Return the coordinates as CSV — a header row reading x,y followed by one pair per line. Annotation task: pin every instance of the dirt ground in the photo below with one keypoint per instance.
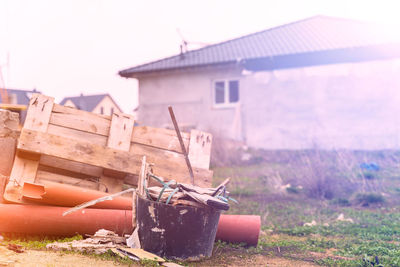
x,y
34,258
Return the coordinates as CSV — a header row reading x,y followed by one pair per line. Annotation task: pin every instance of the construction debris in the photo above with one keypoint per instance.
x,y
137,254
68,160
184,194
16,248
99,243
171,264
66,157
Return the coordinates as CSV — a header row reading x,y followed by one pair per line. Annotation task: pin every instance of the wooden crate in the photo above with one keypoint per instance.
x,y
66,145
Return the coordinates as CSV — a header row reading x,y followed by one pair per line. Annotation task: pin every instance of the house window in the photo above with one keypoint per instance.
x,y
101,110
111,111
226,92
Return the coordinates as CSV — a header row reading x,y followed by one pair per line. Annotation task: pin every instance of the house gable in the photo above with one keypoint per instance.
x,y
69,103
106,106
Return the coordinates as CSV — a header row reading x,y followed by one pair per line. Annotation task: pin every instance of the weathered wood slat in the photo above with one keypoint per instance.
x,y
78,135
160,138
119,138
80,120
73,166
43,176
39,111
200,149
37,118
120,131
24,170
85,152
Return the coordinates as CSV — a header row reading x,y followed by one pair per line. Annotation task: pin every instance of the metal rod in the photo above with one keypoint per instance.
x,y
178,133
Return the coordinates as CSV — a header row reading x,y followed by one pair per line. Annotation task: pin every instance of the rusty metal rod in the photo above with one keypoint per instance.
x,y
178,133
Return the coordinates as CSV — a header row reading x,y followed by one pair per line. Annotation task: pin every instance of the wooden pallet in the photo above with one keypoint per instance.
x,y
66,145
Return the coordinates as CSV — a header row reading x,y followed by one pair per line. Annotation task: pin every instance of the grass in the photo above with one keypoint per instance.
x,y
369,198
36,242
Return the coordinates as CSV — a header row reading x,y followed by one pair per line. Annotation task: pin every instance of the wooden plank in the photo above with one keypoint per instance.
x,y
73,166
200,149
39,111
120,131
77,135
70,149
80,120
24,170
119,138
67,173
37,118
142,254
184,151
3,183
142,177
43,176
161,138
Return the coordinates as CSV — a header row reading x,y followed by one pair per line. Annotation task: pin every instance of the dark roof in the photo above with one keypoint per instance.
x,y
315,34
23,96
87,102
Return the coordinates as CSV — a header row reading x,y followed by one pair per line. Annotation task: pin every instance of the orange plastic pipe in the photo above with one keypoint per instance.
x,y
239,229
48,220
69,196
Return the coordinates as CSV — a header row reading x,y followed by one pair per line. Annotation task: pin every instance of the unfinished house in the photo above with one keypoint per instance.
x,y
320,82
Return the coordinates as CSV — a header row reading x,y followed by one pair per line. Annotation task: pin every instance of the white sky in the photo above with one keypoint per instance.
x,y
64,48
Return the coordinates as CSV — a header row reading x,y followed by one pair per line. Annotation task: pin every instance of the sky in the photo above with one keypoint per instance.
x,y
65,48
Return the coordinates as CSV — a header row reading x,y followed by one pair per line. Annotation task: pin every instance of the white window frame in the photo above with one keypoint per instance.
x,y
226,103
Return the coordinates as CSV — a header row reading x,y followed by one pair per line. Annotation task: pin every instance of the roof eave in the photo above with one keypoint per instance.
x,y
128,73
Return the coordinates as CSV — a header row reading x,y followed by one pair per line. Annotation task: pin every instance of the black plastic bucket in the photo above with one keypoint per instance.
x,y
176,232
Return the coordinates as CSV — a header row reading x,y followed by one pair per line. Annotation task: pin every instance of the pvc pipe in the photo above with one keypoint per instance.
x,y
239,229
64,195
48,220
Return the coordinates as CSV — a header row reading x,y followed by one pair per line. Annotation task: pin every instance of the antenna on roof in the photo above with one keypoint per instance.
x,y
184,44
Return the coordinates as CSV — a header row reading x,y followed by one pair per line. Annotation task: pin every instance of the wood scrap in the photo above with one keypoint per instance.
x,y
123,255
95,201
141,254
105,236
15,248
178,133
142,177
171,264
207,200
99,243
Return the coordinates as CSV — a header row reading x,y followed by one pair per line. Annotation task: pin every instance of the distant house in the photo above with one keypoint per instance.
x,y
100,104
18,100
319,82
